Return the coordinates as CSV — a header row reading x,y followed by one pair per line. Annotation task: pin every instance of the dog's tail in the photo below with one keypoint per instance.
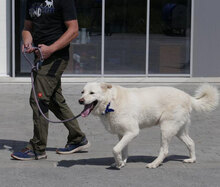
x,y
206,98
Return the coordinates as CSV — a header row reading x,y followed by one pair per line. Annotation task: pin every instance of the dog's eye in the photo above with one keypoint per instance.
x,y
82,92
91,93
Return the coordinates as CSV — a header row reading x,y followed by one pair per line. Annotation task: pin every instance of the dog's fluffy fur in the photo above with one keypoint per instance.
x,y
137,108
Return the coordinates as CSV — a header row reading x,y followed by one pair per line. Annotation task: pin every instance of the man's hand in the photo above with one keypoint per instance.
x,y
27,48
46,51
27,37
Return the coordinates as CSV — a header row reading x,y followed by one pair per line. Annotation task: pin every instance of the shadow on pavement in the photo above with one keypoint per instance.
x,y
16,145
12,145
109,160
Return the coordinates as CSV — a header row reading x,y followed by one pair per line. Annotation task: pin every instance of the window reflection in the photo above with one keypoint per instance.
x,y
23,67
85,50
169,44
125,37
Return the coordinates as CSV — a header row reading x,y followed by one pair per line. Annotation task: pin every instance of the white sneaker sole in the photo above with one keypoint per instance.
x,y
27,159
81,148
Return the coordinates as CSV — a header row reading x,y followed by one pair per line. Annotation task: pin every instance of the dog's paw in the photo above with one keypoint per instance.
x,y
125,160
189,160
152,165
118,166
113,165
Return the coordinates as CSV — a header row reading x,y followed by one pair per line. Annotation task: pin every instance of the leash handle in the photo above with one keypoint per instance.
x,y
39,63
35,49
41,55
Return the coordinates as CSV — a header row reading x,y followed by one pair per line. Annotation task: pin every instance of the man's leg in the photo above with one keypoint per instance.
x,y
43,87
37,145
76,139
47,79
61,110
45,83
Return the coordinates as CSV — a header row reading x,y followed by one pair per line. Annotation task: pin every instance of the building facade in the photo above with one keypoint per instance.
x,y
144,38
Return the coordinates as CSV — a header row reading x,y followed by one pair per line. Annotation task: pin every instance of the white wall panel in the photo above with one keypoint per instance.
x,y
3,39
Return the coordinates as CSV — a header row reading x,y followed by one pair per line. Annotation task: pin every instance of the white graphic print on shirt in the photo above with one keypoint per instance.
x,y
49,4
37,9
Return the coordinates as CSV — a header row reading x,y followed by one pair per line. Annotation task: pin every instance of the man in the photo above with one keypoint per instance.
x,y
51,25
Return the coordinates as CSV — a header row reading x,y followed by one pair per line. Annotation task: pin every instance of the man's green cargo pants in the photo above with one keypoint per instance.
x,y
47,81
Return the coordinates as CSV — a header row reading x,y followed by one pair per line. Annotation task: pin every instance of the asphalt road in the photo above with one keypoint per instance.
x,y
91,169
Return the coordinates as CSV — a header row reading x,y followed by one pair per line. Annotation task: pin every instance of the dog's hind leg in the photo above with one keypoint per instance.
x,y
168,130
184,137
122,144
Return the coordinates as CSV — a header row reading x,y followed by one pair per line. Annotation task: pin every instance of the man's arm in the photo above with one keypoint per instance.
x,y
27,37
63,41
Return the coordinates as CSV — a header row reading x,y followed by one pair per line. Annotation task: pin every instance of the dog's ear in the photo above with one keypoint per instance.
x,y
106,86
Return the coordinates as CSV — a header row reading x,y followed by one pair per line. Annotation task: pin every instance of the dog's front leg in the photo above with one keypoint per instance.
x,y
125,154
117,150
124,151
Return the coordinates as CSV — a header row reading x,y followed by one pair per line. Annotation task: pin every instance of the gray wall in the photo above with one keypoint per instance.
x,y
206,48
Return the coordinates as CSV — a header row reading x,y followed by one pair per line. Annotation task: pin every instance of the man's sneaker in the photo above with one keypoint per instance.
x,y
72,148
27,154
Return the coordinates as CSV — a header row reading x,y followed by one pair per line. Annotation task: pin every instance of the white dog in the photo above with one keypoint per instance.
x,y
49,4
124,111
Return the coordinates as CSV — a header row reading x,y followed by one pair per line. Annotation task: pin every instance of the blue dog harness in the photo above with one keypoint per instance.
x,y
108,109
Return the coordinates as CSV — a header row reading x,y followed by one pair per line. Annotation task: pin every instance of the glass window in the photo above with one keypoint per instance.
x,y
125,37
85,50
21,66
169,40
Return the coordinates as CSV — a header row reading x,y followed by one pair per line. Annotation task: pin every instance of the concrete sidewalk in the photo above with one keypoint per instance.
x,y
90,169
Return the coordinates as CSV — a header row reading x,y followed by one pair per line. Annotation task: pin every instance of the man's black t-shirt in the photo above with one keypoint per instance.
x,y
48,17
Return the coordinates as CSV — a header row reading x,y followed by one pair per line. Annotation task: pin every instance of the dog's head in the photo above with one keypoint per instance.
x,y
93,94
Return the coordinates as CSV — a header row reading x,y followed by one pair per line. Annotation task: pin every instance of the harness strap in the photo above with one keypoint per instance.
x,y
108,109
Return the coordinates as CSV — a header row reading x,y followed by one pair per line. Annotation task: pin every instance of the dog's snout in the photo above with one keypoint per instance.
x,y
81,101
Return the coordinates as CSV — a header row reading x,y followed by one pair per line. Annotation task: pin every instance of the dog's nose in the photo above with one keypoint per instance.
x,y
81,101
